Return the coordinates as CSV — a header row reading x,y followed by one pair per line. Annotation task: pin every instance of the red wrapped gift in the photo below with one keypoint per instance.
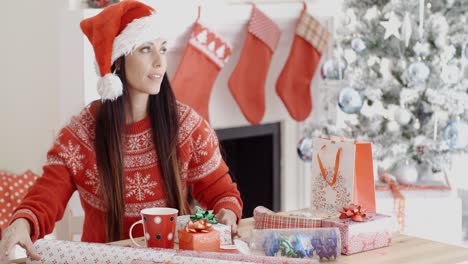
x,y
199,235
267,219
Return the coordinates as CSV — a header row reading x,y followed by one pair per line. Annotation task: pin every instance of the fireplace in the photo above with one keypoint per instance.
x,y
253,155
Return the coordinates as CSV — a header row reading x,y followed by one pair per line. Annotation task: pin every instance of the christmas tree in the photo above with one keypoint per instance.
x,y
401,68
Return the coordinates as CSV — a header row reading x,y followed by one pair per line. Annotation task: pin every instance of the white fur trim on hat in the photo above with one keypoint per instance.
x,y
109,87
135,34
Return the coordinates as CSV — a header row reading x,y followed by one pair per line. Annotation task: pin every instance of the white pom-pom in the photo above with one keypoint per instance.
x,y
109,87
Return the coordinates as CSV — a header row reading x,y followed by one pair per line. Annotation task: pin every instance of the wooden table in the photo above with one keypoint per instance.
x,y
404,249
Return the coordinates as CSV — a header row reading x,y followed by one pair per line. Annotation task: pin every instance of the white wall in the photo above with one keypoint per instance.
x,y
29,82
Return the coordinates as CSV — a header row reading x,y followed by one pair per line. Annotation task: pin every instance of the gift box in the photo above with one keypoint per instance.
x,y
266,219
224,231
373,232
200,241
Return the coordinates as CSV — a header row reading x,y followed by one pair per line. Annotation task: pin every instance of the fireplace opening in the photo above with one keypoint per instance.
x,y
253,156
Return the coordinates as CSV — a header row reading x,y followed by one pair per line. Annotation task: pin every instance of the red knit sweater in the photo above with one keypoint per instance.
x,y
71,165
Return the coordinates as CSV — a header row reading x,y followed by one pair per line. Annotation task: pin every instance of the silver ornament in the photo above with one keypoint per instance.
x,y
418,72
402,116
350,101
304,149
333,69
358,45
456,134
406,172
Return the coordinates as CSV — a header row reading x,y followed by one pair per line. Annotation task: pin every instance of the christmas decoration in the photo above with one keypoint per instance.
x,y
391,26
358,45
247,81
456,134
406,30
412,85
350,101
418,72
406,172
293,85
204,57
304,149
333,69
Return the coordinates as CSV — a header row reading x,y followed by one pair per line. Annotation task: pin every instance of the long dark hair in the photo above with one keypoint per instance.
x,y
110,135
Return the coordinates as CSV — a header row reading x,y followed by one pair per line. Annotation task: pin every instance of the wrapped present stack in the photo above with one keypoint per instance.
x,y
359,231
342,188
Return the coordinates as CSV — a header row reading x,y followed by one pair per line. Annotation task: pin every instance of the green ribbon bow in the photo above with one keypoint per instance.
x,y
286,248
201,214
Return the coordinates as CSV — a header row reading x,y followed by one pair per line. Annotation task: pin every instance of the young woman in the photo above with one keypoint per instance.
x,y
135,148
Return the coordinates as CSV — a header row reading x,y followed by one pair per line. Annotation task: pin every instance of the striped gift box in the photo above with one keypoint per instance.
x,y
265,218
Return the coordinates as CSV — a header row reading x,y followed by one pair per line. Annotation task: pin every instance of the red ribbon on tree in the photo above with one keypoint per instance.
x,y
355,212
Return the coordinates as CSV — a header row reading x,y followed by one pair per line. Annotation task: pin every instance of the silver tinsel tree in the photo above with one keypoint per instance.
x,y
402,86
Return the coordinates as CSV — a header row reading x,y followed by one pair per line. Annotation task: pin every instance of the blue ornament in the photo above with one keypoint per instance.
x,y
456,134
303,246
271,244
418,72
333,69
304,149
358,45
350,101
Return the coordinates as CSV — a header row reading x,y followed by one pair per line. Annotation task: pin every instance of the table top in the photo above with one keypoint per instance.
x,y
404,249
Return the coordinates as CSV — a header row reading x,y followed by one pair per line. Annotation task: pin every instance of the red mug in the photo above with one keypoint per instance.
x,y
159,226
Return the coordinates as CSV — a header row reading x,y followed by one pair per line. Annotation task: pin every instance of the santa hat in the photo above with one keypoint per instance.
x,y
115,31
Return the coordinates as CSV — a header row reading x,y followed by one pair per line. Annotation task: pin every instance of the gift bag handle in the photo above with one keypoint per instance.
x,y
335,170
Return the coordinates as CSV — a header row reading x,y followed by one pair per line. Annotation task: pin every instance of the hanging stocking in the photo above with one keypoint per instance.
x,y
293,85
203,59
247,82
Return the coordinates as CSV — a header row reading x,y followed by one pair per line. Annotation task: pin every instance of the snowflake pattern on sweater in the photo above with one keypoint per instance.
x,y
72,166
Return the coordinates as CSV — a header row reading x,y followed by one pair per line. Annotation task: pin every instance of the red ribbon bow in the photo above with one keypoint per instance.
x,y
355,212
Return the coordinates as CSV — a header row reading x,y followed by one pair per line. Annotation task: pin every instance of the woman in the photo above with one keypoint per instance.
x,y
135,148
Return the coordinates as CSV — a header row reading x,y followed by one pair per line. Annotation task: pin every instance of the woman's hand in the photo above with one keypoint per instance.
x,y
18,233
228,217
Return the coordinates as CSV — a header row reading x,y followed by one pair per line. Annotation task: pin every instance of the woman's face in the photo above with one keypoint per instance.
x,y
145,67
